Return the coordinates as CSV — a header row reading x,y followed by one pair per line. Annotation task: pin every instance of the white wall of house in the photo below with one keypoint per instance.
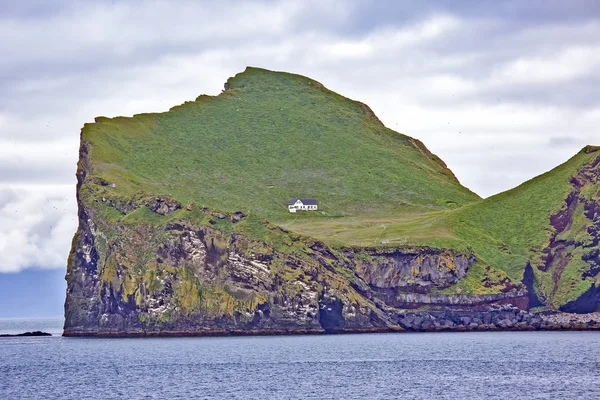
x,y
298,205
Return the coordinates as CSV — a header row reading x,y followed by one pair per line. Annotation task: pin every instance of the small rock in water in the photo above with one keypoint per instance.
x,y
36,333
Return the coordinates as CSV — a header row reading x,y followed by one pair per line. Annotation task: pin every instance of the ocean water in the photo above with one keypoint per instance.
x,y
523,365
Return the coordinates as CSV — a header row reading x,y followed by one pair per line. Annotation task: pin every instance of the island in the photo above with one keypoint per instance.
x,y
27,334
185,226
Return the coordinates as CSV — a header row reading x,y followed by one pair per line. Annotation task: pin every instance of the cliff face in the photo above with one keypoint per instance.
x,y
154,256
166,275
571,258
179,278
172,276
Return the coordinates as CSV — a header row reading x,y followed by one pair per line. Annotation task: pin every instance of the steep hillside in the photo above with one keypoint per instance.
x,y
270,137
551,222
184,230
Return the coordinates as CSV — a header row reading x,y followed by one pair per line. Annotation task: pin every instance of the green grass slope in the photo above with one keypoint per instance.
x,y
541,222
510,228
270,137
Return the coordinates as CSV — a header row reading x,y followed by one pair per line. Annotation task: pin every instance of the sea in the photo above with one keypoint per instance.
x,y
495,365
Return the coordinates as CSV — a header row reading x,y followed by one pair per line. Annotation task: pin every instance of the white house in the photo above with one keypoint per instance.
x,y
303,205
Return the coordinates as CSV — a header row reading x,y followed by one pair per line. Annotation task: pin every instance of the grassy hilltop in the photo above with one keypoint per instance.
x,y
272,136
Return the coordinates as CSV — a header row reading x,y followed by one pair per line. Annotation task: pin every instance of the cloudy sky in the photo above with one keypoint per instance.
x,y
501,90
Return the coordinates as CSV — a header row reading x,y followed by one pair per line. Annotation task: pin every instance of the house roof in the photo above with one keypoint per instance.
x,y
308,202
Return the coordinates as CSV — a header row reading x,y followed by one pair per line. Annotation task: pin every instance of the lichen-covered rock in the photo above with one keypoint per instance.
x,y
417,269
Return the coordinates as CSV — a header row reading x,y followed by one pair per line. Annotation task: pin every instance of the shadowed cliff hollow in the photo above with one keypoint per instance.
x,y
184,228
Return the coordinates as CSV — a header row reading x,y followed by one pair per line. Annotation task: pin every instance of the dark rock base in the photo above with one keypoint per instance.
x,y
497,318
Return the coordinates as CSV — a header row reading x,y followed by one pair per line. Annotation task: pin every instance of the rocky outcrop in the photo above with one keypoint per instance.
x,y
410,270
574,242
415,300
500,317
369,113
588,302
159,205
528,280
507,317
28,334
402,278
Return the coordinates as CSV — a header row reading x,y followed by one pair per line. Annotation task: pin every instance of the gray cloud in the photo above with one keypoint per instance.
x,y
502,91
6,197
561,141
44,174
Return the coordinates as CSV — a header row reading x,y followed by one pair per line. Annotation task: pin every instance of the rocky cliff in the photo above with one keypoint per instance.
x,y
166,275
176,278
173,276
154,253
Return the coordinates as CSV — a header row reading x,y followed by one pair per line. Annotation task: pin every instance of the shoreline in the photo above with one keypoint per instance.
x,y
422,322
